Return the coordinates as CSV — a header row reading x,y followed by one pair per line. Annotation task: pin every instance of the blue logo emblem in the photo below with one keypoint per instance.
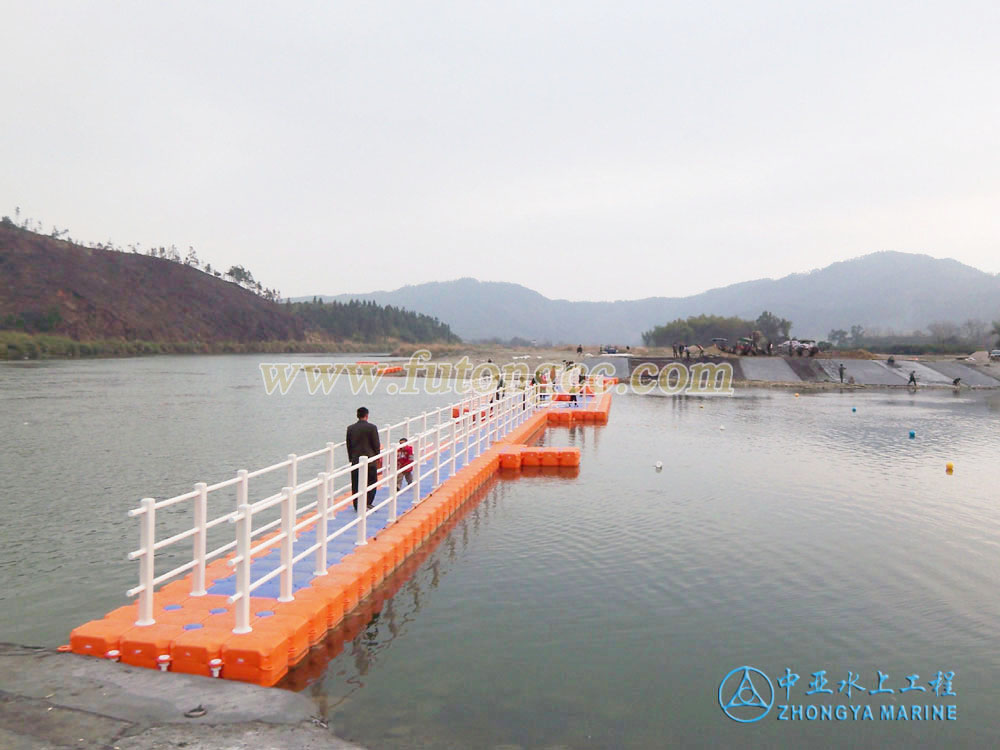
x,y
741,696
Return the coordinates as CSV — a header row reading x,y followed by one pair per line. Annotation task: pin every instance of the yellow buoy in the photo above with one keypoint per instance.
x,y
796,395
949,467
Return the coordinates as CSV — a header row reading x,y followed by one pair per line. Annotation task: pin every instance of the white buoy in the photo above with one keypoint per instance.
x,y
722,427
658,465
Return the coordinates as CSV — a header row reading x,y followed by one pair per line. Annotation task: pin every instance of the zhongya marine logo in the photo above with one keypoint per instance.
x,y
746,694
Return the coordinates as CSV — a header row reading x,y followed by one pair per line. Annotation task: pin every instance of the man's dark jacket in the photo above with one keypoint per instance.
x,y
362,440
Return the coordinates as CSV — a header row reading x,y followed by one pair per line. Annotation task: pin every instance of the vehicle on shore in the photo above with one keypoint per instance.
x,y
797,348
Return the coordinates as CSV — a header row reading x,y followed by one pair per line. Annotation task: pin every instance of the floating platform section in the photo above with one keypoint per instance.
x,y
195,634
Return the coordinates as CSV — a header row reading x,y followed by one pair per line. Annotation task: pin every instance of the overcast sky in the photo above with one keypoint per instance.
x,y
588,150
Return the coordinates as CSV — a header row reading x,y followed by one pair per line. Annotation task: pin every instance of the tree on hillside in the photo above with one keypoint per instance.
x,y
699,329
943,331
240,275
975,331
857,335
365,321
775,329
996,331
838,337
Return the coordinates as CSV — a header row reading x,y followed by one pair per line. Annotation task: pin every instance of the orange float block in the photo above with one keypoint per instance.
x,y
258,656
192,650
142,646
550,456
332,598
345,584
370,567
314,610
378,556
510,457
569,456
560,416
531,457
295,627
97,637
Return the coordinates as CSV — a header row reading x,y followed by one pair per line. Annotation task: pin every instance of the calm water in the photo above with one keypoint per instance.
x,y
595,612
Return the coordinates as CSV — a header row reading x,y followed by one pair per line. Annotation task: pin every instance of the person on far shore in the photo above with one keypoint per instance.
x,y
362,440
579,350
913,378
841,369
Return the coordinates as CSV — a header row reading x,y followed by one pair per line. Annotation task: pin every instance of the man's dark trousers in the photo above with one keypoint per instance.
x,y
372,478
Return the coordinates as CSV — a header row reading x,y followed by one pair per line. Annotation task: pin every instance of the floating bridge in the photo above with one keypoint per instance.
x,y
297,562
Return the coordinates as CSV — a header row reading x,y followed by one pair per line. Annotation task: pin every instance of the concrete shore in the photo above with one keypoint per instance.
x,y
51,700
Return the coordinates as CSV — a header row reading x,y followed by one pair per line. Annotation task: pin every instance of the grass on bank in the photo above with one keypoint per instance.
x,y
15,345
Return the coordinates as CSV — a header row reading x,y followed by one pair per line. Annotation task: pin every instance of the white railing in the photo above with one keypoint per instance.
x,y
439,440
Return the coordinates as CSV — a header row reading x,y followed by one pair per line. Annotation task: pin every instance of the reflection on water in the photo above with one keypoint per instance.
x,y
592,612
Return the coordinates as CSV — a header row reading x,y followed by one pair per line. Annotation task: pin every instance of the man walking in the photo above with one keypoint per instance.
x,y
362,440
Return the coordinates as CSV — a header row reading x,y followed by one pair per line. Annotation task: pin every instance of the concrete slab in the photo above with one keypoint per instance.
x,y
968,374
925,375
773,369
64,700
864,372
620,363
808,369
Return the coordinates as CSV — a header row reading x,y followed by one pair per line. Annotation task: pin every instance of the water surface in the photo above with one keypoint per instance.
x,y
595,612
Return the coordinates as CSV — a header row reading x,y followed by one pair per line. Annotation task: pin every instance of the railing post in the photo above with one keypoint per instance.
x,y
454,446
467,438
200,519
242,488
473,425
243,521
287,543
322,505
362,501
147,568
330,467
393,483
437,456
416,466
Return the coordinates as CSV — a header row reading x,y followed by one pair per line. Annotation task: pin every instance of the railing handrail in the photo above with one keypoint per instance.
x,y
471,428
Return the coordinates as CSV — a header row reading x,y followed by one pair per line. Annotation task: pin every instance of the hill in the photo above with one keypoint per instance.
x,y
52,286
885,290
49,286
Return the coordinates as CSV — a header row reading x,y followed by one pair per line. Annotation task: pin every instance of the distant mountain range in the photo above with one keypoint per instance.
x,y
886,290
